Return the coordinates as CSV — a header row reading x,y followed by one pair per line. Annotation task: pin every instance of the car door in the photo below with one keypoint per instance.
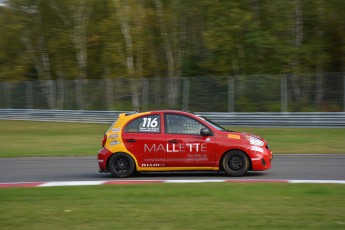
x,y
144,139
185,146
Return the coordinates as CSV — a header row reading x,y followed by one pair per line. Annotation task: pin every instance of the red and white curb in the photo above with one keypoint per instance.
x,y
122,182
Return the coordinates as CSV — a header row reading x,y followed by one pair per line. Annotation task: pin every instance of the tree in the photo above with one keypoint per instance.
x,y
14,63
75,16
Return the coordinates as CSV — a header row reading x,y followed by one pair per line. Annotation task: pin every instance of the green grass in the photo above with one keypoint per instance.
x,y
175,206
29,138
302,140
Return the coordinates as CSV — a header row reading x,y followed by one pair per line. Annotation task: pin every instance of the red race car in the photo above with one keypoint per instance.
x,y
170,140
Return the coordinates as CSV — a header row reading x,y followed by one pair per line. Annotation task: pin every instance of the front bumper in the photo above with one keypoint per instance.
x,y
261,159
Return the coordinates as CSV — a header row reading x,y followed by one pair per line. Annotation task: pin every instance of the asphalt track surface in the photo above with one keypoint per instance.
x,y
285,167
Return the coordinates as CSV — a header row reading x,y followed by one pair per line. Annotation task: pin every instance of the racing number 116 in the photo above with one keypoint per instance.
x,y
150,123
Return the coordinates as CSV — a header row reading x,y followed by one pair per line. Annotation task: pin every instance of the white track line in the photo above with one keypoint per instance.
x,y
193,181
70,183
122,182
318,181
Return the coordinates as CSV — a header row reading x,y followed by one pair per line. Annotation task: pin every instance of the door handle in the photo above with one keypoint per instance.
x,y
131,140
173,141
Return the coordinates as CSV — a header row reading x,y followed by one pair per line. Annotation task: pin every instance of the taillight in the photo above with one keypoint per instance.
x,y
104,140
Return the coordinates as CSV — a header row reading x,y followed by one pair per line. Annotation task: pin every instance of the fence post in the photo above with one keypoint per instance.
x,y
60,87
7,89
231,94
344,91
283,93
157,91
79,94
109,93
29,95
145,95
185,97
50,86
3,95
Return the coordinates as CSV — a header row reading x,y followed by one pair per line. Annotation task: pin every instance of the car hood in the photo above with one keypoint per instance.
x,y
240,135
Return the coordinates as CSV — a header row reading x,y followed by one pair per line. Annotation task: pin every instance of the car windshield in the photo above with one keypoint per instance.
x,y
215,125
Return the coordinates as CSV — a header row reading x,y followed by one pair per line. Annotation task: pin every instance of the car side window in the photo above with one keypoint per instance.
x,y
146,124
180,124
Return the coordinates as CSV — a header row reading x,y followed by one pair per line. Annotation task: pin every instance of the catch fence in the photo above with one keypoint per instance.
x,y
257,93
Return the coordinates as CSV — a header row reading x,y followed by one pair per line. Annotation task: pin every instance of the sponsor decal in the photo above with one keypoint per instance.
x,y
187,160
234,136
175,148
258,149
198,157
152,165
149,129
115,143
116,130
113,136
154,159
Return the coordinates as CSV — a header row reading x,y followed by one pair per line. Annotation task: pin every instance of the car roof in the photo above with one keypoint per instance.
x,y
155,112
170,111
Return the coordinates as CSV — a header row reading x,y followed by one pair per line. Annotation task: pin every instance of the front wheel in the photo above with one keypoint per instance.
x,y
235,163
121,165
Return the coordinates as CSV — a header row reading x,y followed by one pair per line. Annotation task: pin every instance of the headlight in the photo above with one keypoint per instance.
x,y
255,141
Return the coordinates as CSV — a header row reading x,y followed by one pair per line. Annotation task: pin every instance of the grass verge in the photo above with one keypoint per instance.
x,y
175,206
29,138
302,140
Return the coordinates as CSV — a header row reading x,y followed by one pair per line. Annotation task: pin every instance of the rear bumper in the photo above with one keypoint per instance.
x,y
102,159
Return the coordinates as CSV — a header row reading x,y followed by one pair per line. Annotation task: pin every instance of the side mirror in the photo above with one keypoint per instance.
x,y
205,132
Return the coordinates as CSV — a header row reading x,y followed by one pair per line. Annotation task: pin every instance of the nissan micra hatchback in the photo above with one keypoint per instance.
x,y
170,140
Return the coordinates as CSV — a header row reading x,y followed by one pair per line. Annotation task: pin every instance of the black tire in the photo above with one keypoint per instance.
x,y
121,165
235,163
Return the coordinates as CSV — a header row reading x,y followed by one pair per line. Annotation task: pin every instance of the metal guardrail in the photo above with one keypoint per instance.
x,y
60,115
256,119
277,119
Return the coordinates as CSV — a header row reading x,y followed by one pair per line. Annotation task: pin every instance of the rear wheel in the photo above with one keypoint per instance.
x,y
121,165
235,163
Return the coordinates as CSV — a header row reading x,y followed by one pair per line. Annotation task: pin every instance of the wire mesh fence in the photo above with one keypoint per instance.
x,y
254,93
